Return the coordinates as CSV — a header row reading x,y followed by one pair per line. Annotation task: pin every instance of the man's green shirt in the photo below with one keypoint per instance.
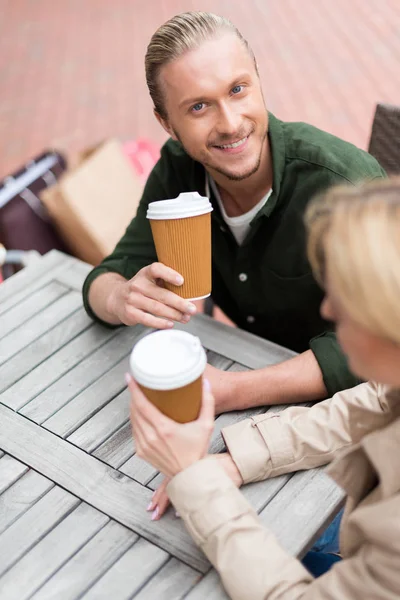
x,y
265,285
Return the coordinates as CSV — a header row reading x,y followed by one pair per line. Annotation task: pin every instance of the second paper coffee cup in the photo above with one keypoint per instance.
x,y
181,230
168,367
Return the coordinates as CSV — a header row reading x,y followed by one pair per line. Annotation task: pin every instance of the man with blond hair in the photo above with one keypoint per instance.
x,y
259,173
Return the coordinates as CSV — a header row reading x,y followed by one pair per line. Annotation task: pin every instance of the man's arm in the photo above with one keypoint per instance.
x,y
296,380
302,437
99,296
313,375
125,288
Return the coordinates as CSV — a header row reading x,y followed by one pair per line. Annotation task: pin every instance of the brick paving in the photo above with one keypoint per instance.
x,y
72,71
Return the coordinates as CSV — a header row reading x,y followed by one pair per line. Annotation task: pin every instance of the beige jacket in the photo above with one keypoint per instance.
x,y
363,425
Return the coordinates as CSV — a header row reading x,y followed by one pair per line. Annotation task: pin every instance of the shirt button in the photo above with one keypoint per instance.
x,y
222,228
250,319
243,277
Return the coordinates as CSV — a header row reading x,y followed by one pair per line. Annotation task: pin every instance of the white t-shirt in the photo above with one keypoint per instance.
x,y
240,226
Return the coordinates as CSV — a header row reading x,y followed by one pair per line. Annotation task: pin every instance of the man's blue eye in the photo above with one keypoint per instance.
x,y
197,107
237,89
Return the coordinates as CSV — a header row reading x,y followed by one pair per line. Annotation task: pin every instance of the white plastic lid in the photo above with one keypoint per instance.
x,y
167,360
187,204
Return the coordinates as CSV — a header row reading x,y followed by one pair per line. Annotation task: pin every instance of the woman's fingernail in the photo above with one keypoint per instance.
x,y
179,280
154,515
185,319
191,308
170,324
177,515
128,378
206,385
150,506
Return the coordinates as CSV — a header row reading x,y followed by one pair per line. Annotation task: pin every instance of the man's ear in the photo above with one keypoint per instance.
x,y
165,124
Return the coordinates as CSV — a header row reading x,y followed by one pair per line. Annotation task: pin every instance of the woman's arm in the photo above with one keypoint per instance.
x,y
251,562
302,438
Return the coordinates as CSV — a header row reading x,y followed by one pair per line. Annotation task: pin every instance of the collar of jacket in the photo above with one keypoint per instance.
x,y
278,157
375,459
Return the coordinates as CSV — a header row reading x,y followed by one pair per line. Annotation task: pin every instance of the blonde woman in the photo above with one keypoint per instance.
x,y
354,249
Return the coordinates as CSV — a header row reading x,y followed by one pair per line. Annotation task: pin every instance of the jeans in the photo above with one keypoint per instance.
x,y
329,540
318,563
323,554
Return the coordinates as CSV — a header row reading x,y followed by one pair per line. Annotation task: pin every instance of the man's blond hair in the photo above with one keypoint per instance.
x,y
184,32
354,233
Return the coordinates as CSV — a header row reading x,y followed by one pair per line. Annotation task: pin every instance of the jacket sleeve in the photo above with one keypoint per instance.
x,y
251,562
135,249
333,363
298,438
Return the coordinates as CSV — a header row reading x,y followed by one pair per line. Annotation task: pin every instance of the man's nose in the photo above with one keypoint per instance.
x,y
228,122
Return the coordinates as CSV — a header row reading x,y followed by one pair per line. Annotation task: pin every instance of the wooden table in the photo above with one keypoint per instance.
x,y
73,522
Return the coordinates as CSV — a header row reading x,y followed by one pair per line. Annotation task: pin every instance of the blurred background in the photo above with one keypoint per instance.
x,y
72,71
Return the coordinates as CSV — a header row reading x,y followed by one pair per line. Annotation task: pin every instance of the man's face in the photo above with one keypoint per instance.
x,y
215,106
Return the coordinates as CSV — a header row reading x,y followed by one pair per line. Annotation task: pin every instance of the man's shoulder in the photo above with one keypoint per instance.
x,y
176,171
304,142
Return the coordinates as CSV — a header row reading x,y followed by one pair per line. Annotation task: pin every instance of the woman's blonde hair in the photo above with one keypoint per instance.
x,y
184,32
355,233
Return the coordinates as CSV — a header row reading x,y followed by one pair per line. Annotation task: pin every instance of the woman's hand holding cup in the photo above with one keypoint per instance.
x,y
168,445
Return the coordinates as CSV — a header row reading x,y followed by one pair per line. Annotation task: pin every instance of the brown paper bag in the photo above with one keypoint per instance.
x,y
92,204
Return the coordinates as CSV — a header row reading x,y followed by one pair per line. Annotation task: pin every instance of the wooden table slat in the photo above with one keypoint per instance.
x,y
104,423
18,498
42,348
37,326
218,361
139,470
235,344
312,498
52,552
32,278
117,448
47,372
174,580
74,275
130,573
10,471
31,306
210,587
89,371
34,524
96,557
88,402
101,486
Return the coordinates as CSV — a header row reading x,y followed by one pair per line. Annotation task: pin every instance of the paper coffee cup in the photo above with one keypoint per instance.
x,y
181,230
168,367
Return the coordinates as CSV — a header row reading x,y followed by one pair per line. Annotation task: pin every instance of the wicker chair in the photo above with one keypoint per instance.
x,y
384,143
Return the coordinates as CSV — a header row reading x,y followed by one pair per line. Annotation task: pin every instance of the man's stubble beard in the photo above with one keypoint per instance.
x,y
230,176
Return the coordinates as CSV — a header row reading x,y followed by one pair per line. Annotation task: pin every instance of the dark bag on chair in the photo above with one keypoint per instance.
x,y
24,221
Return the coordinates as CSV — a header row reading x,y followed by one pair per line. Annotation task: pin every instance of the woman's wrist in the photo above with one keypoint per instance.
x,y
227,463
